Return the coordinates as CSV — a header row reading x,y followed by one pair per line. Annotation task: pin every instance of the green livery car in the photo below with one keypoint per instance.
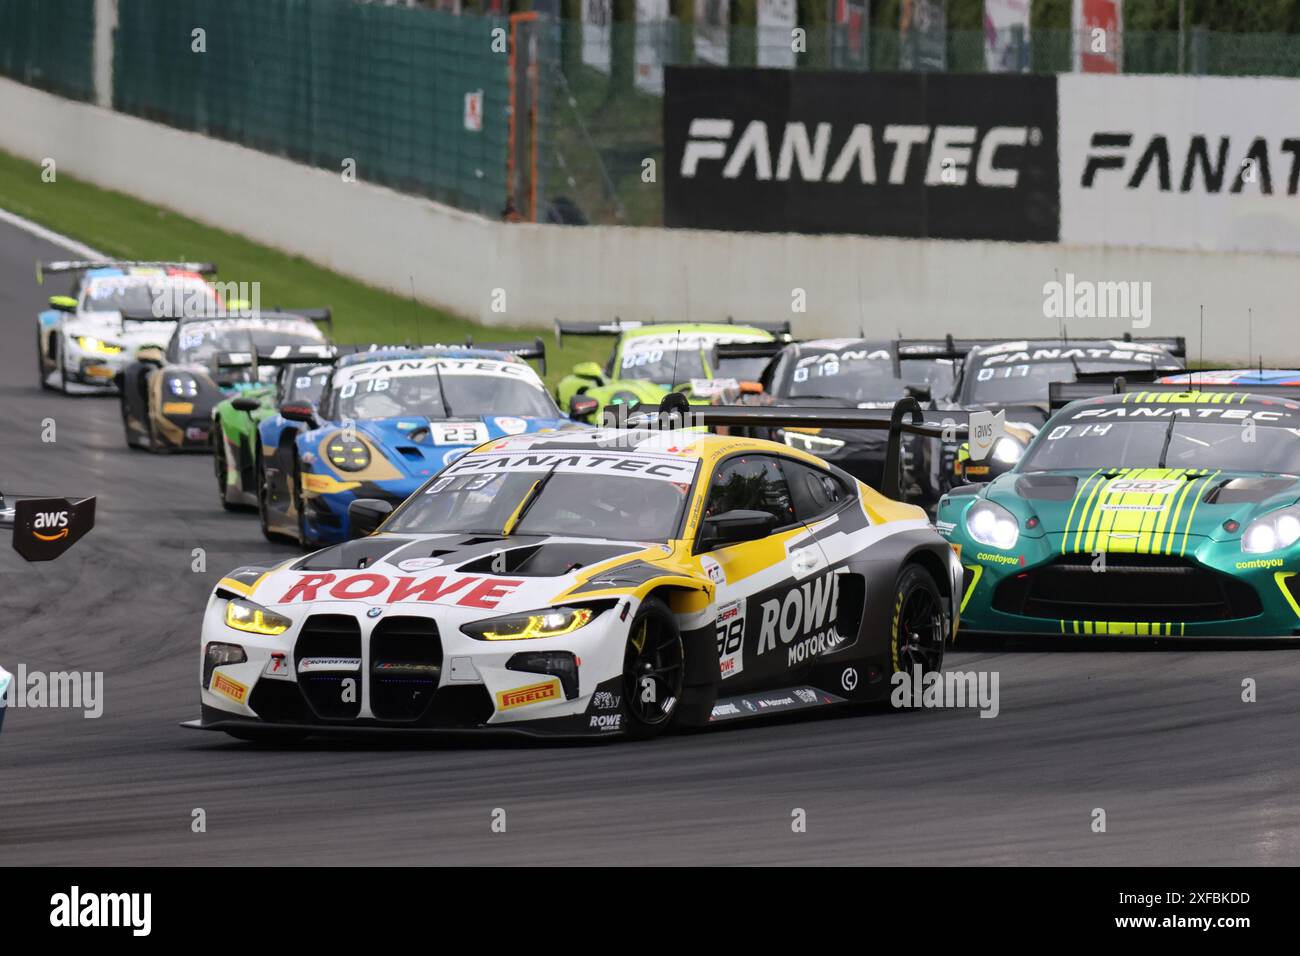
x,y
1150,513
290,375
649,360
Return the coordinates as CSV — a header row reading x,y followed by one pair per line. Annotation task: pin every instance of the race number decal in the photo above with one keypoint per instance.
x,y
459,433
731,638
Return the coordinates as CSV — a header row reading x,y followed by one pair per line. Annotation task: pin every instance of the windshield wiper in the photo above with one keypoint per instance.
x,y
1169,434
442,392
530,496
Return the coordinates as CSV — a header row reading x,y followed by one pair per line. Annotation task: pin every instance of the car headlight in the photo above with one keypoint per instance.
x,y
89,343
346,455
549,622
1008,451
815,444
1272,532
183,386
216,654
624,398
990,523
246,616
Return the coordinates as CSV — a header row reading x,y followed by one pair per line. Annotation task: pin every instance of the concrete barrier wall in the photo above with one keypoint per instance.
x,y
459,260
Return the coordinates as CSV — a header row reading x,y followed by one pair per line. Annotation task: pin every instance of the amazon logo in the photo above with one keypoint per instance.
x,y
46,527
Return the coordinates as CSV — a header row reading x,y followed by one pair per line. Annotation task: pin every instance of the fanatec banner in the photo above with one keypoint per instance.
x,y
1207,163
886,154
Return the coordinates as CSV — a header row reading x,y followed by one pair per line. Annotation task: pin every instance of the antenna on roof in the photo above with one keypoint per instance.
x,y
1060,319
415,309
1201,363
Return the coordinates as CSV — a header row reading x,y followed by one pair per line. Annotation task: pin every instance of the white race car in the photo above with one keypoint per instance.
x,y
82,340
589,583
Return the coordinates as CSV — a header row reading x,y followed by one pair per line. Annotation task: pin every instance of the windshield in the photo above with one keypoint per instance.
x,y
665,366
198,342
304,383
420,392
136,295
853,376
618,496
1027,383
1192,444
741,369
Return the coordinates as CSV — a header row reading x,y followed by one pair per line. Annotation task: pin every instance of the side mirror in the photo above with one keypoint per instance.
x,y
732,527
63,303
367,514
591,370
296,412
249,405
919,392
582,407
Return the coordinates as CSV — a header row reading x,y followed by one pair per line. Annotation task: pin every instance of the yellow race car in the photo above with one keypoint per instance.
x,y
591,583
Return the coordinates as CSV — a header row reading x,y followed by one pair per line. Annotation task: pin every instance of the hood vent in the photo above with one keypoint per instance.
x,y
1236,491
1047,487
360,553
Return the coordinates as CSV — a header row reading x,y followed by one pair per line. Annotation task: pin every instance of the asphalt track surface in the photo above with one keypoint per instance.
x,y
1160,739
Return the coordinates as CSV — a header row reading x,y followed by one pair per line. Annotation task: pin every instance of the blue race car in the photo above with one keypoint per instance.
x,y
387,420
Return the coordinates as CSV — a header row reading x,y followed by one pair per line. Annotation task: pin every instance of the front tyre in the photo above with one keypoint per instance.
x,y
654,668
920,623
219,463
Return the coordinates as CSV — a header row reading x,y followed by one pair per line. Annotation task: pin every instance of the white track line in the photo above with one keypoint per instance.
x,y
49,235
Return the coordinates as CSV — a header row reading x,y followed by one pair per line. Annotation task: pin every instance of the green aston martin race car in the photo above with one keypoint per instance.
x,y
649,360
1156,512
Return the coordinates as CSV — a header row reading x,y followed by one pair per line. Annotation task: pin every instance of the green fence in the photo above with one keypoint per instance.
x,y
325,82
49,44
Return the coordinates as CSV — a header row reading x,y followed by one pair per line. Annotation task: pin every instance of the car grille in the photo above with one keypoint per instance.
x,y
1133,587
405,666
330,635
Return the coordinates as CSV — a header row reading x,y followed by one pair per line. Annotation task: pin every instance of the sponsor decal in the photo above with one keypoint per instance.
x,y
277,666
849,679
229,687
461,590
420,367
531,694
806,694
606,722
196,433
1145,487
795,697
713,570
803,619
318,665
178,408
511,426
766,702
724,710
419,564
998,558
1259,563
659,467
604,700
903,154
730,627
985,429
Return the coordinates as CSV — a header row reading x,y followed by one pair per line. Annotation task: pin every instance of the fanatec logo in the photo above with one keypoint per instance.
x,y
1194,164
954,155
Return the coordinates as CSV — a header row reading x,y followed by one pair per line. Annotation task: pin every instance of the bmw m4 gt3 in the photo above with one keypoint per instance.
x,y
589,583
84,339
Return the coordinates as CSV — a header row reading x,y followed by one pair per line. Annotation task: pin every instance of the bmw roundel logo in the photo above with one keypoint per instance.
x,y
375,612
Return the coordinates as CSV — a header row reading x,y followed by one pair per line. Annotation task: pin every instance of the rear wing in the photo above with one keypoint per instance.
x,y
536,349
1175,345
1061,394
83,265
617,326
944,348
319,316
907,418
277,356
726,350
46,527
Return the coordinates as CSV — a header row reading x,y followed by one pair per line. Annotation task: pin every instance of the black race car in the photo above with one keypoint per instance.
x,y
167,400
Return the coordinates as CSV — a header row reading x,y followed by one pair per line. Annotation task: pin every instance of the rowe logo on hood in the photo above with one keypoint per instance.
x,y
954,155
463,590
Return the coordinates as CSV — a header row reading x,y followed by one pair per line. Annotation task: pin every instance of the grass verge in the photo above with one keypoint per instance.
x,y
122,226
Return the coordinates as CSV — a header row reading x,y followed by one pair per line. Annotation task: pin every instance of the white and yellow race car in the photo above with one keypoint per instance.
x,y
592,583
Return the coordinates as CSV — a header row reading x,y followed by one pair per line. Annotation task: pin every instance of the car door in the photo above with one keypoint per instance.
x,y
760,620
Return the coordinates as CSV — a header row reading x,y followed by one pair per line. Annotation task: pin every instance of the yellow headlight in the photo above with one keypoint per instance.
x,y
246,616
91,344
554,623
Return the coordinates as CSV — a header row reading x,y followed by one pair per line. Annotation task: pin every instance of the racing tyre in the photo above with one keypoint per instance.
x,y
263,503
654,668
61,375
920,623
219,464
305,539
40,364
